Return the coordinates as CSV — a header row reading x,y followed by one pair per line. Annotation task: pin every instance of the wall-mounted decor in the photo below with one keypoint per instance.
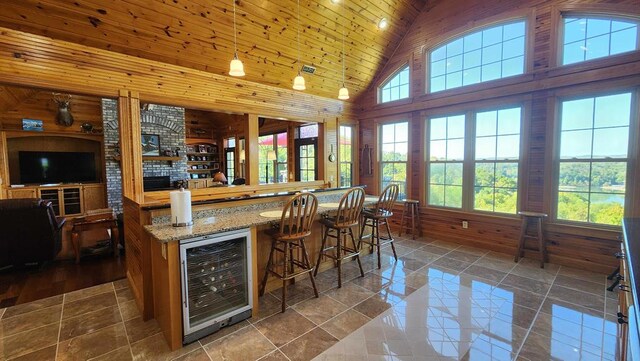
x,y
63,116
32,125
150,145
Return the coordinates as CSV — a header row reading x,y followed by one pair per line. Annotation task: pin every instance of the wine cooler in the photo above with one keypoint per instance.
x,y
216,282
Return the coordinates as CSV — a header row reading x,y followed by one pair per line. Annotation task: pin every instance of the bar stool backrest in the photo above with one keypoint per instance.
x,y
350,207
297,217
387,200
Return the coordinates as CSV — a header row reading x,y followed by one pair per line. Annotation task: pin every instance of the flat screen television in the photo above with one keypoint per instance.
x,y
57,167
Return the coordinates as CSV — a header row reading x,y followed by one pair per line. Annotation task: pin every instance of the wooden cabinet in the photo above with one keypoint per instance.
x,y
94,196
202,159
26,192
67,200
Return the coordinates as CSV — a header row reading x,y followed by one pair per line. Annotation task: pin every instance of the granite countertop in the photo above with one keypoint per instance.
x,y
229,221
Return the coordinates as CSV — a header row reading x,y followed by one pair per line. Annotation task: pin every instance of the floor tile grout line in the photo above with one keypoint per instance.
x,y
126,332
26,313
60,326
535,319
272,344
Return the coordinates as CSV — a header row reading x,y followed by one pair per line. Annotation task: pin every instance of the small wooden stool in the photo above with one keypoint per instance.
x,y
411,211
532,218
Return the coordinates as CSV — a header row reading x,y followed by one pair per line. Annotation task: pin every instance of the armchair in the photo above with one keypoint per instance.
x,y
30,231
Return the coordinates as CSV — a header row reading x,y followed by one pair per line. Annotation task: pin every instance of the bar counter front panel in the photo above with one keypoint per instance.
x,y
257,214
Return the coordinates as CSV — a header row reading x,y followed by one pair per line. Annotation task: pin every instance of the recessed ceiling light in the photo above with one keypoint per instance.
x,y
383,23
335,1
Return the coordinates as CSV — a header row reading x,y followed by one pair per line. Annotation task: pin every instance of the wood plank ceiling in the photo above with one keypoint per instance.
x,y
199,34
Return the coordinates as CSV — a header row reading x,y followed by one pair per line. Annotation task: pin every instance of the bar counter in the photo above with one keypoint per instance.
x,y
232,218
255,213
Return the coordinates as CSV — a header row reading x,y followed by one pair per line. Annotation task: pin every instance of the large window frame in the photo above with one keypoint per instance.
x,y
469,160
396,145
633,135
595,17
465,56
388,85
274,166
346,154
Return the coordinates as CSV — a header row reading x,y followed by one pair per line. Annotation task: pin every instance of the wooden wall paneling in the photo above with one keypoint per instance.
x,y
40,105
4,165
415,163
13,96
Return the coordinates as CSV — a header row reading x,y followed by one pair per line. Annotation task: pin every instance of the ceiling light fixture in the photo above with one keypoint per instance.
x,y
343,93
235,67
335,1
383,23
298,81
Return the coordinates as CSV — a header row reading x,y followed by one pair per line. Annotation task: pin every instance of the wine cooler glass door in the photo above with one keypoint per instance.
x,y
216,279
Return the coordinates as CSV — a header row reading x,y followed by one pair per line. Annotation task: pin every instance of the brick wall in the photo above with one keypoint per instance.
x,y
166,122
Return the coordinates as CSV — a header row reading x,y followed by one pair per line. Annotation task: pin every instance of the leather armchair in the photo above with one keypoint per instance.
x,y
29,231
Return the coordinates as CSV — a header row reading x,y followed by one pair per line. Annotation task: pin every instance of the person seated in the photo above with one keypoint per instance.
x,y
218,176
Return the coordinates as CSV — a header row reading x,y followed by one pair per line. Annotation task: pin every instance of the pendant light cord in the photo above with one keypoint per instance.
x,y
235,40
343,55
298,37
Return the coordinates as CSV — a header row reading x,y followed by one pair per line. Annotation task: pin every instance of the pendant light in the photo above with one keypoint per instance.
x,y
235,67
343,93
298,81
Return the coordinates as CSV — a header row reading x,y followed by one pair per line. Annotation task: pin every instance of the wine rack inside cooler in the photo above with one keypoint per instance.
x,y
216,277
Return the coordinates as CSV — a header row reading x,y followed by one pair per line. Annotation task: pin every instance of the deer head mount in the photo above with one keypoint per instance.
x,y
63,116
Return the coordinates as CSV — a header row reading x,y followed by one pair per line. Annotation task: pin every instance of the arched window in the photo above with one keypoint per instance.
x,y
591,37
491,53
397,87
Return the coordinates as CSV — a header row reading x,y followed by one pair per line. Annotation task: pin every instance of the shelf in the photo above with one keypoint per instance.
x,y
199,170
147,158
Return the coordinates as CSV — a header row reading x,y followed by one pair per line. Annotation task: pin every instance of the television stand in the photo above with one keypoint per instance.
x,y
67,199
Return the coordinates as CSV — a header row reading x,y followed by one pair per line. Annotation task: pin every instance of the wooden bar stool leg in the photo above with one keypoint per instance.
x,y
541,244
393,247
402,219
268,269
353,241
413,222
523,230
305,256
285,266
419,225
324,244
377,241
339,255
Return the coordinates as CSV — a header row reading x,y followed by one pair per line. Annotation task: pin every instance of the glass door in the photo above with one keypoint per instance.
x,y
216,278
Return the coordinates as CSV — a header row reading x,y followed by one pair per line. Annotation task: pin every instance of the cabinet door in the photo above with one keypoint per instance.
x,y
94,197
72,201
22,193
197,183
52,195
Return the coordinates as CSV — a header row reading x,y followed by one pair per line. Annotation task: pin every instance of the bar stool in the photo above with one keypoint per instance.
x,y
533,219
295,225
347,217
410,211
377,216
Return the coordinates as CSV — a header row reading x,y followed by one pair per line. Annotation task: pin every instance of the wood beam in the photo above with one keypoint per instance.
x,y
130,133
251,149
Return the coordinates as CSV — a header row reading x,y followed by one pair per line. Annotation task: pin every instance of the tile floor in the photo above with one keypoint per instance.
x,y
440,301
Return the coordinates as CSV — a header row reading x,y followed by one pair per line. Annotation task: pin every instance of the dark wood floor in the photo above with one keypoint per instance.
x,y
22,285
